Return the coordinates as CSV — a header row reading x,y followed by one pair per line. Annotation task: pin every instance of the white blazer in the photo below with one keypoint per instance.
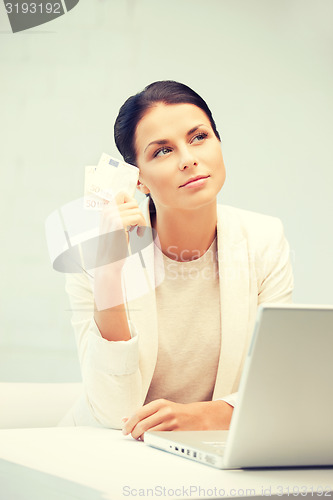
x,y
254,267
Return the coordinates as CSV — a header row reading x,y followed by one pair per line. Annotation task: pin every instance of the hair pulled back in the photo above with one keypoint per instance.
x,y
134,108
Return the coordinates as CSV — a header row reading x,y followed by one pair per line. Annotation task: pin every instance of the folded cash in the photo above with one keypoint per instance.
x,y
106,180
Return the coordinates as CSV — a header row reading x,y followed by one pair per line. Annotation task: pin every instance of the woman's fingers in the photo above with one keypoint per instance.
x,y
159,413
123,197
120,213
143,413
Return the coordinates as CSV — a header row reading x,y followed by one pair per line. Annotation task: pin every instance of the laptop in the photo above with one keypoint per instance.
x,y
284,412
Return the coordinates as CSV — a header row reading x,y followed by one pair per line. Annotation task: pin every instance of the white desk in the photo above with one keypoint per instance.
x,y
94,464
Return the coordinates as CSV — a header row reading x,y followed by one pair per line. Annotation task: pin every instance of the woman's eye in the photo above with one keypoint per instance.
x,y
199,137
162,152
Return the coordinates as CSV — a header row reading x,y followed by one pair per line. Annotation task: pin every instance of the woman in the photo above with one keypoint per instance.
x,y
176,364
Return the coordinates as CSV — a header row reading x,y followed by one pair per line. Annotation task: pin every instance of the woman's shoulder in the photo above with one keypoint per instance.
x,y
249,224
245,216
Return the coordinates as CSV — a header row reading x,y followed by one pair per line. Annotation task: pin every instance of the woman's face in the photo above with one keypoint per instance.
x,y
175,144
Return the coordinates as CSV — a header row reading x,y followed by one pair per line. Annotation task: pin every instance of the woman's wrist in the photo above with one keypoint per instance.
x,y
218,415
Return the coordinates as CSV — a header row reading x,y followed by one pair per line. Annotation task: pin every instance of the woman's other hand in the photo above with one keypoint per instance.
x,y
164,415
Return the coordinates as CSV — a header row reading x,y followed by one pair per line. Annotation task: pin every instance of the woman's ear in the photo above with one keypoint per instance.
x,y
142,188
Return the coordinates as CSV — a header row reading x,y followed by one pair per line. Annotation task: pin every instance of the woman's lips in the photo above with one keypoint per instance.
x,y
200,181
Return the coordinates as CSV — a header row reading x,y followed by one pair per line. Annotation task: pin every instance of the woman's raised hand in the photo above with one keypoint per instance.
x,y
122,213
118,217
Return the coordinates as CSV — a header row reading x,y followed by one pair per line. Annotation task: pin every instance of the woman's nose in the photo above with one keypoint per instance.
x,y
187,160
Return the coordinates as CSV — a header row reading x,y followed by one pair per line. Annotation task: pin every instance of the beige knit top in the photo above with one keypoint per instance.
x,y
189,330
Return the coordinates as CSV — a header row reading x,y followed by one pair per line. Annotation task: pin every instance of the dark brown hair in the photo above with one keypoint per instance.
x,y
131,112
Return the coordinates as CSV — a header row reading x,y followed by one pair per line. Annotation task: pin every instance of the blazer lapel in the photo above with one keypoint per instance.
x,y
233,264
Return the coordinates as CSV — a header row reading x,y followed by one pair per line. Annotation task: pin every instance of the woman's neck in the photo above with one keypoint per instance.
x,y
186,234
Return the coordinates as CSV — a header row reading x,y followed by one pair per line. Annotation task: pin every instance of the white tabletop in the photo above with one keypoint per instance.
x,y
96,463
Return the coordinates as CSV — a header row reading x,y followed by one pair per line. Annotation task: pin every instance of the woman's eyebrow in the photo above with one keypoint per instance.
x,y
161,141
194,128
165,141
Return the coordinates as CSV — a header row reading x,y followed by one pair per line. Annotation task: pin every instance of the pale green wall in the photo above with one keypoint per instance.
x,y
265,69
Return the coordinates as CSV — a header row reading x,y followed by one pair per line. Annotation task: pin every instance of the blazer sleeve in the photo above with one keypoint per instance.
x,y
274,270
110,370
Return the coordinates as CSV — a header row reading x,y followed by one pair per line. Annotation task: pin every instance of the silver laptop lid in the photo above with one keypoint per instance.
x,y
284,413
